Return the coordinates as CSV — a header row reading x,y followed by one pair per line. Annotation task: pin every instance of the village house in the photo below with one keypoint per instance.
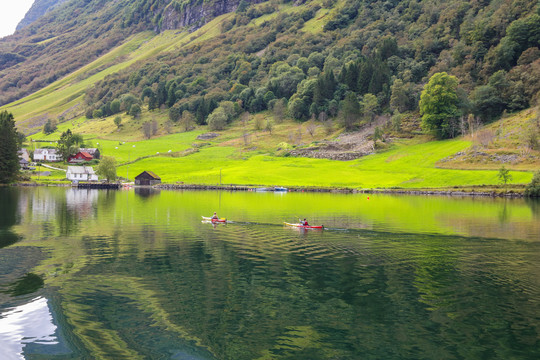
x,y
81,173
147,178
50,155
80,157
94,152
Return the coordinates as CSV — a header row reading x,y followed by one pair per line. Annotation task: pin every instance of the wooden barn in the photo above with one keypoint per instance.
x,y
147,178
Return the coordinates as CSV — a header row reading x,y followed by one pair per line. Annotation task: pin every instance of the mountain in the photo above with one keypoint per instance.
x,y
72,33
37,10
306,55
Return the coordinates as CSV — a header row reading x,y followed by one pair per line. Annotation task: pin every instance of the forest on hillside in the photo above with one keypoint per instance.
x,y
309,59
380,53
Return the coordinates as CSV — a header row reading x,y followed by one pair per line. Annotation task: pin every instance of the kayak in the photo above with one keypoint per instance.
x,y
222,220
305,226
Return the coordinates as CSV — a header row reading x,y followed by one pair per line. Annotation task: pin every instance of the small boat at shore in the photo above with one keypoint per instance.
x,y
209,219
300,226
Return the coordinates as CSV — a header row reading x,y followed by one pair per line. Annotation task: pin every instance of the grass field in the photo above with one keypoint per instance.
x,y
407,166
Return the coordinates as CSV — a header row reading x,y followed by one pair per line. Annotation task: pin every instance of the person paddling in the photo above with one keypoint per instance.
x,y
215,217
304,223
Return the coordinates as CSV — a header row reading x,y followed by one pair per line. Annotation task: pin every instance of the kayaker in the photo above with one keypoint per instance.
x,y
215,217
305,223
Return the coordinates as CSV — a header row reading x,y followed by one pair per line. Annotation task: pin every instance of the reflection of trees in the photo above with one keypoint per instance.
x,y
534,204
66,218
8,216
106,199
503,214
28,284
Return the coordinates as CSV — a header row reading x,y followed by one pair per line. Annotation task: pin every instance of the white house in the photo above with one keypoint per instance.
x,y
81,173
47,155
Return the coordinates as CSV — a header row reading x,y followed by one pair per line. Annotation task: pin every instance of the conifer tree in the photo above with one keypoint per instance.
x,y
350,110
9,163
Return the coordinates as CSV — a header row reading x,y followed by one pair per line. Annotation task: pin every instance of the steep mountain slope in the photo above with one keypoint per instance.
x,y
77,32
38,9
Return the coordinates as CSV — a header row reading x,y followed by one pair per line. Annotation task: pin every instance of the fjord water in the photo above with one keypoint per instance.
x,y
89,274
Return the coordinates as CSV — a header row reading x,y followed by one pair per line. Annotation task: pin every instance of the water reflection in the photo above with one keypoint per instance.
x,y
28,284
534,204
139,276
24,326
9,216
146,192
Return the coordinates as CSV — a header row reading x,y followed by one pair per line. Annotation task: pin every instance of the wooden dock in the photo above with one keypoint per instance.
x,y
112,186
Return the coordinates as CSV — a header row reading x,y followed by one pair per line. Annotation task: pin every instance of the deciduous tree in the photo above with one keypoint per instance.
x,y
504,176
69,143
439,104
107,168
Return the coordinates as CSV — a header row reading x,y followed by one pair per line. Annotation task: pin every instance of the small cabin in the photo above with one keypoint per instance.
x,y
147,178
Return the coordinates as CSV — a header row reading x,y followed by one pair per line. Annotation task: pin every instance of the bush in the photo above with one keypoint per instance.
x,y
533,188
217,119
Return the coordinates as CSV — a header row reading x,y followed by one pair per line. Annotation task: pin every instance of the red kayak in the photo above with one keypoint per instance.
x,y
305,226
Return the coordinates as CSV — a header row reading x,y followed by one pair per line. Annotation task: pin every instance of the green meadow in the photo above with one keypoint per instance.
x,y
404,166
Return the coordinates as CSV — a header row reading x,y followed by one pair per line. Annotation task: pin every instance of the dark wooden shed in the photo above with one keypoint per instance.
x,y
147,178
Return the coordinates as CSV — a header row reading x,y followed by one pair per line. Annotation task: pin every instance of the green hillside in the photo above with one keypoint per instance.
x,y
280,80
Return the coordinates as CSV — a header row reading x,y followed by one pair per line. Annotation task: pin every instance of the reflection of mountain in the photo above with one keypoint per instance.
x,y
29,327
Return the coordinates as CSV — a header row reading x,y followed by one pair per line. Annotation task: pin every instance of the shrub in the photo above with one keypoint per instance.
x,y
118,121
533,188
217,119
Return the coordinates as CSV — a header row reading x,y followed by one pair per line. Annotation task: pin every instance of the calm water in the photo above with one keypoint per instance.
x,y
87,274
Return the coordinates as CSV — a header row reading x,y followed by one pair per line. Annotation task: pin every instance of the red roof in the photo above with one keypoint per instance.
x,y
81,156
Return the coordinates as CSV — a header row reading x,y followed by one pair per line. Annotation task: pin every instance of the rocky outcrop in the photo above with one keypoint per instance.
x,y
346,147
323,153
207,136
196,14
38,9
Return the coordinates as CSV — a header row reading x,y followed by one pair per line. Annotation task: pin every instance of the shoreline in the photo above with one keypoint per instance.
x,y
460,192
444,192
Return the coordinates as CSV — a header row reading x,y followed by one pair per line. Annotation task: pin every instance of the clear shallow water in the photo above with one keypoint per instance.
x,y
137,275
